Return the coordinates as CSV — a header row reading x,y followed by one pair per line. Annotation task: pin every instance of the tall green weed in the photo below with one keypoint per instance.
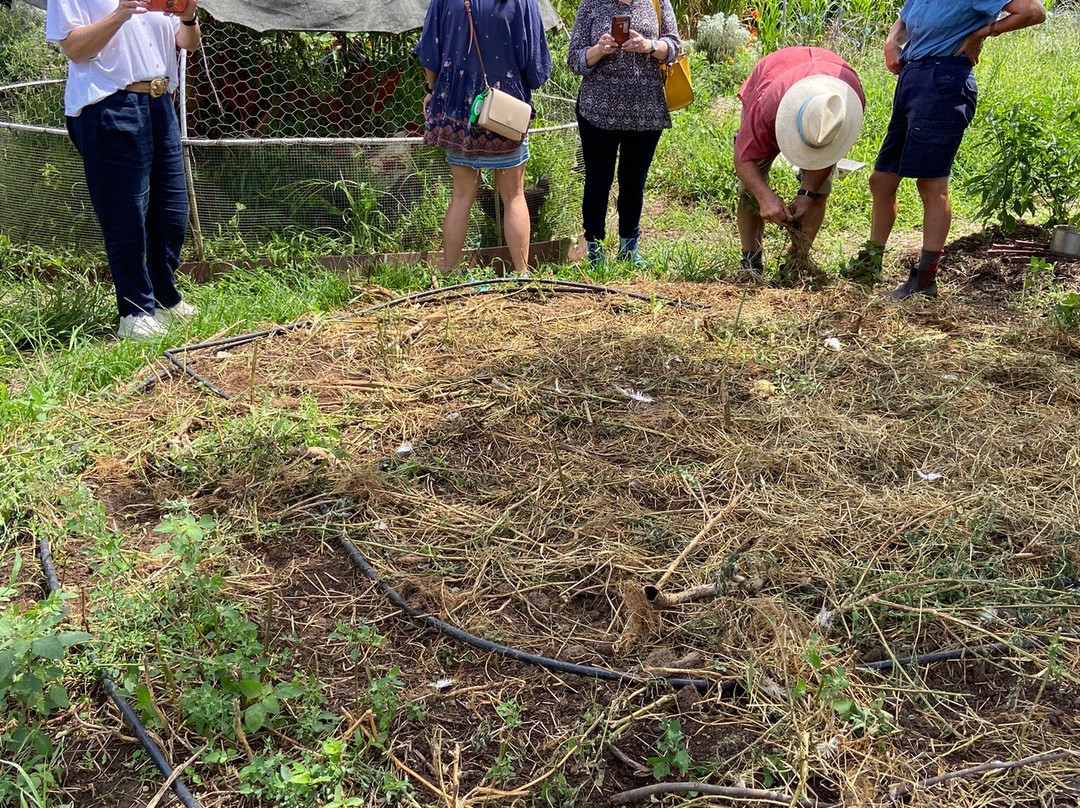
x,y
24,53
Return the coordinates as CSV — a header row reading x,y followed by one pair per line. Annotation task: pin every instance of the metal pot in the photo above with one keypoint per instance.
x,y
1065,241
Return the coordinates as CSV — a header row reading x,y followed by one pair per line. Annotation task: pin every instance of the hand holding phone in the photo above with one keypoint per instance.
x,y
620,28
172,6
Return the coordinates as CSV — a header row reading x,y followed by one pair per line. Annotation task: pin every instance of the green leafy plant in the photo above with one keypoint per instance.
x,y
1032,159
776,771
673,757
1066,312
33,646
510,713
1039,275
31,786
833,687
384,695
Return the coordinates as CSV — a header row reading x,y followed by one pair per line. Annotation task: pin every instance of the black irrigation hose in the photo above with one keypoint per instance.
x,y
556,665
152,749
974,651
225,342
989,649
703,685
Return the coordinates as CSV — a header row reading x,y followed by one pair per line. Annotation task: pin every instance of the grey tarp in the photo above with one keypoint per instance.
x,y
389,16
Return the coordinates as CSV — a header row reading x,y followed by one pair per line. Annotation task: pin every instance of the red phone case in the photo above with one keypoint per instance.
x,y
620,28
173,6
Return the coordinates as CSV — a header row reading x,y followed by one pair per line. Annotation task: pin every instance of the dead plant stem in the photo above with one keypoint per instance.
x,y
736,498
993,765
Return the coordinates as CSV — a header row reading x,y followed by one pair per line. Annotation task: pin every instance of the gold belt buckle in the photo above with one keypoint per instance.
x,y
158,87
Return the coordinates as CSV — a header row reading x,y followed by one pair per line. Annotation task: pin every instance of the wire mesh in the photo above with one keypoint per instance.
x,y
293,132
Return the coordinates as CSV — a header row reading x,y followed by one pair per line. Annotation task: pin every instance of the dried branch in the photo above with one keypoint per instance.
x,y
731,792
994,765
713,522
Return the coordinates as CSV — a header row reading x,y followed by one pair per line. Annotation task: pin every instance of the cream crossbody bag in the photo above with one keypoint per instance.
x,y
493,109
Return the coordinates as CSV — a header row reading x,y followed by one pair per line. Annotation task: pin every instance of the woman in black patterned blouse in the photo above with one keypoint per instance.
x,y
621,110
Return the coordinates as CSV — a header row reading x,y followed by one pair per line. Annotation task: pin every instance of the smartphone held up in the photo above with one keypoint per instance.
x,y
620,28
171,6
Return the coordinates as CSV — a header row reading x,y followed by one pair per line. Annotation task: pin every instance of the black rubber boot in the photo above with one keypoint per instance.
x,y
922,280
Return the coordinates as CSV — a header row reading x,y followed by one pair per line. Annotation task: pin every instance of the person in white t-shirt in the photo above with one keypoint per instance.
x,y
121,115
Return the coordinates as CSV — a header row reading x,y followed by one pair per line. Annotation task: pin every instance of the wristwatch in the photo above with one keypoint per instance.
x,y
655,45
190,23
811,194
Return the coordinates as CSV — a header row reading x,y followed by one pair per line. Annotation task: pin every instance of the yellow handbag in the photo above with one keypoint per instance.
x,y
677,87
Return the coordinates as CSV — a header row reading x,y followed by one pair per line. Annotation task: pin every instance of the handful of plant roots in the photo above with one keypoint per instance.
x,y
797,264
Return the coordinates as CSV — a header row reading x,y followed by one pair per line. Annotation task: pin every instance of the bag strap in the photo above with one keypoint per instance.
x,y
472,33
659,30
659,18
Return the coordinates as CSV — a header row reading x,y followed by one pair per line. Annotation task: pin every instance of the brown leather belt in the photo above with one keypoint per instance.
x,y
155,87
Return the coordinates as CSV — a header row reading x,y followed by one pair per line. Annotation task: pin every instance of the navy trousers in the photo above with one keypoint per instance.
x,y
599,150
130,145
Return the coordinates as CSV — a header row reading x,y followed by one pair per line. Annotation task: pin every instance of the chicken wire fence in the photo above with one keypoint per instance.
x,y
291,132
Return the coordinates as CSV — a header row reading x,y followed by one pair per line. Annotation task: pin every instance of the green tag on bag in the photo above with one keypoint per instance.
x,y
477,105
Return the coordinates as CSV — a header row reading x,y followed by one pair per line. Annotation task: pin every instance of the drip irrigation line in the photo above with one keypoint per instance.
x,y
147,743
988,649
238,339
146,383
985,650
200,380
555,665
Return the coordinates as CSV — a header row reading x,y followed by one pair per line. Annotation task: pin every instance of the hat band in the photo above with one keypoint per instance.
x,y
798,124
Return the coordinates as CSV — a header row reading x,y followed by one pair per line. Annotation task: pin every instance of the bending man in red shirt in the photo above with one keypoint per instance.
x,y
806,104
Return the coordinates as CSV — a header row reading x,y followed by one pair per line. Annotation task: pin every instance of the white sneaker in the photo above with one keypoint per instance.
x,y
140,327
181,311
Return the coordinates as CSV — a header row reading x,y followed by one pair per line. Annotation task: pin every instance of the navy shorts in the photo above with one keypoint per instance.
x,y
933,105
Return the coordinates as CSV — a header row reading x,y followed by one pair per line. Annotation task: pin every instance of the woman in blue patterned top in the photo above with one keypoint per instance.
x,y
932,47
621,110
517,61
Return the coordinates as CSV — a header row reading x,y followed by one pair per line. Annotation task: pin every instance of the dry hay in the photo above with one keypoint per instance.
x,y
521,464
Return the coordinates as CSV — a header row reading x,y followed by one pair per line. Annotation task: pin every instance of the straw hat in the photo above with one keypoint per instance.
x,y
818,121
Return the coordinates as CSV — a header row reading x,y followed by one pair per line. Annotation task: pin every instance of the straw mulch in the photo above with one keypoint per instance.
x,y
889,480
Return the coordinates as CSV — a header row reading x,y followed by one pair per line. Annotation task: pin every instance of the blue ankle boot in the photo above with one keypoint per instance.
x,y
628,251
597,256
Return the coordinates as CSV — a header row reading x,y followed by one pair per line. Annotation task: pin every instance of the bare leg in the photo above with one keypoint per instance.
x,y
883,187
813,219
937,212
510,183
456,223
751,225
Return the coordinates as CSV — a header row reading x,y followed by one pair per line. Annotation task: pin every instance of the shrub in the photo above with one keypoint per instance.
x,y
720,37
1033,163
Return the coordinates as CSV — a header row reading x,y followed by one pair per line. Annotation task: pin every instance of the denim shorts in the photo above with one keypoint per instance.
x,y
510,160
934,103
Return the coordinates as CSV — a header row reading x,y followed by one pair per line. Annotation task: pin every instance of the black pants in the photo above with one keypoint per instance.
x,y
599,149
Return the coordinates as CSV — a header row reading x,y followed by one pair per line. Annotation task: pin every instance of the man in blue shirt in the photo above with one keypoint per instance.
x,y
932,47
